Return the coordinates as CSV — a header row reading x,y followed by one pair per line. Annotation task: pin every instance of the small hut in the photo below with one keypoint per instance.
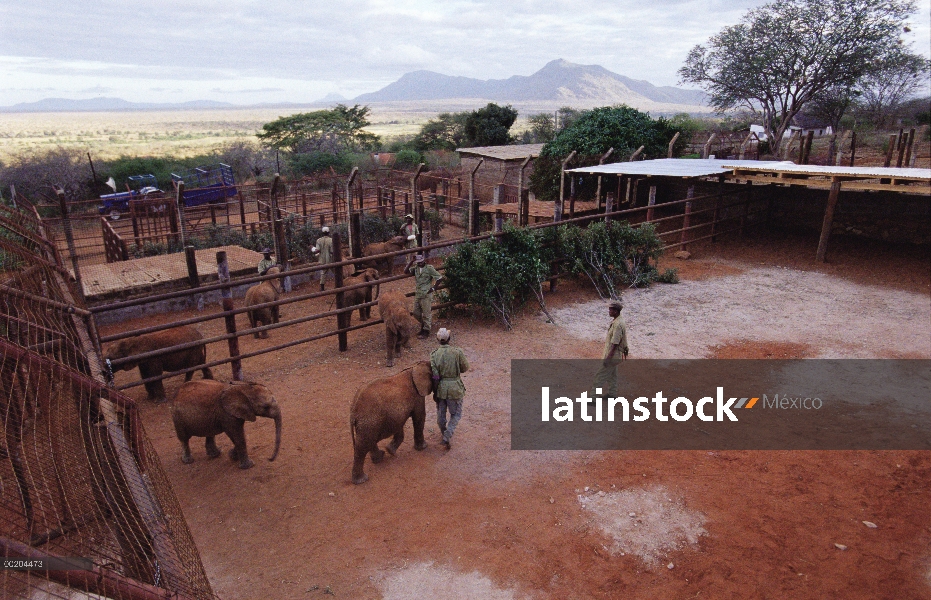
x,y
501,168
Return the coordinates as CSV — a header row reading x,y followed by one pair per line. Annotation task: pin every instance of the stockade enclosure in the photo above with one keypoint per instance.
x,y
678,223
82,487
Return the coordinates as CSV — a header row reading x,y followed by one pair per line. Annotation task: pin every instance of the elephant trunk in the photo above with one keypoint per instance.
x,y
277,418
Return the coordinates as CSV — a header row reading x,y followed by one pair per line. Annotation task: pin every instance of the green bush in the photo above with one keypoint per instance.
x,y
407,159
669,276
612,255
310,163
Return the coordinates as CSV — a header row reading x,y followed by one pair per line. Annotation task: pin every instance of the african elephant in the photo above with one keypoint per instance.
x,y
153,367
209,408
361,295
385,266
381,408
266,291
399,324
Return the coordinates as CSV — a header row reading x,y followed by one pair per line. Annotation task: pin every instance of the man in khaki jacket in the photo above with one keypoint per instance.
x,y
447,363
615,343
324,251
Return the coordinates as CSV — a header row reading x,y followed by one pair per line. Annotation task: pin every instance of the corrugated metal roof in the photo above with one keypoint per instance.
x,y
859,172
517,152
675,167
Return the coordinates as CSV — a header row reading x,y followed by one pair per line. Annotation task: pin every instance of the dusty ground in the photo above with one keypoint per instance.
x,y
481,521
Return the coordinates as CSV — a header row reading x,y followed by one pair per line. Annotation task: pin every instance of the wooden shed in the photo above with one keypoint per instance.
x,y
500,167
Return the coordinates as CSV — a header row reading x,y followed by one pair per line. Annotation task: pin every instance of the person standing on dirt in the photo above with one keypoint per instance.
x,y
448,363
615,342
410,231
324,251
266,263
426,278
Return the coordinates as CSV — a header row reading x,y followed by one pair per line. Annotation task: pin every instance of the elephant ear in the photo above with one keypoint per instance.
x,y
235,401
422,377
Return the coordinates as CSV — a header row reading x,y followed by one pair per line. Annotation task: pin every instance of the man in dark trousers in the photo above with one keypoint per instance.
x,y
615,348
447,363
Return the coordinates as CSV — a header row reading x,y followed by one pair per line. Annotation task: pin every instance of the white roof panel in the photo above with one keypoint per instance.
x,y
676,167
514,152
829,171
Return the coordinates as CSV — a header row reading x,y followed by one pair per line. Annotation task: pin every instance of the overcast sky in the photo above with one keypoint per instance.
x,y
247,52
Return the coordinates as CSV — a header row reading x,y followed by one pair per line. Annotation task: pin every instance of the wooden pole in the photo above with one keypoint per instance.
x,y
745,209
418,208
889,151
355,229
672,144
522,203
69,236
828,219
223,275
651,203
179,203
242,211
473,204
706,151
637,153
686,218
743,146
352,176
908,148
601,161
562,186
572,197
853,147
499,221
191,259
808,141
341,318
717,206
609,206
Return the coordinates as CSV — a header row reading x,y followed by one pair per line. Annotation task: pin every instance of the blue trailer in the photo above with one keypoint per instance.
x,y
207,184
139,186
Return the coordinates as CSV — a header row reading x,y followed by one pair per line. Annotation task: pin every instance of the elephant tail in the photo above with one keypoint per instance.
x,y
353,423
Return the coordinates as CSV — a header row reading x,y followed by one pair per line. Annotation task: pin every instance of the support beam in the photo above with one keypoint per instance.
x,y
473,207
828,219
601,161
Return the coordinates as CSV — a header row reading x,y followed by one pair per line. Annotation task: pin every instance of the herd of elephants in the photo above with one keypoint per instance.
x,y
206,408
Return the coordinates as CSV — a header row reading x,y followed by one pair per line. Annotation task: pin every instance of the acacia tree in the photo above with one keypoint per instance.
x,y
784,54
333,131
894,79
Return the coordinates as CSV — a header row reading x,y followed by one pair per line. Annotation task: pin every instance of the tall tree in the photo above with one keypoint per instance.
x,y
892,80
782,55
445,132
490,126
333,131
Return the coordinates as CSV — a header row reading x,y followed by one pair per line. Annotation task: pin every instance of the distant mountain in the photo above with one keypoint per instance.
x,y
558,81
109,104
332,97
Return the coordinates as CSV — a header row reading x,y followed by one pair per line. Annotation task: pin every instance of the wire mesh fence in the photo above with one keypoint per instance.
x,y
78,477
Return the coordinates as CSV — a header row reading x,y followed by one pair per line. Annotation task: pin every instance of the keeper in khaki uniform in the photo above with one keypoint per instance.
x,y
426,277
447,363
615,342
324,251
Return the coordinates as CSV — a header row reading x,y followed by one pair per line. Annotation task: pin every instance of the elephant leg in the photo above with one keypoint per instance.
x,y
155,389
211,445
189,375
185,448
419,417
252,324
358,462
276,313
377,455
208,374
396,442
239,452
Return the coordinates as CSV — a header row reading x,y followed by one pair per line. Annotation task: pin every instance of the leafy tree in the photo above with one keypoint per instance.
x,y
445,132
309,163
784,54
334,130
490,126
893,79
592,133
542,129
831,105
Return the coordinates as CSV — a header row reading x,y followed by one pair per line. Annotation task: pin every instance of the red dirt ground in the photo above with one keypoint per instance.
x,y
297,527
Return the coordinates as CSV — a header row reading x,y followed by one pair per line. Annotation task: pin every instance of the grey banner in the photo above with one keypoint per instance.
x,y
815,404
58,563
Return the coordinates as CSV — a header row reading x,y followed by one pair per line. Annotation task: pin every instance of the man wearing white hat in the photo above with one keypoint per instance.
x,y
448,363
266,263
324,251
426,278
615,342
410,231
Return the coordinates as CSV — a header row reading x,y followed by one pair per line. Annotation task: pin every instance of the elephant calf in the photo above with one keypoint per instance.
x,y
361,295
209,408
381,408
399,324
266,291
174,361
384,265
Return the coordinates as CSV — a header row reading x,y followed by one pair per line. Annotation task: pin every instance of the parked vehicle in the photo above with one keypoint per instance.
x,y
207,184
137,186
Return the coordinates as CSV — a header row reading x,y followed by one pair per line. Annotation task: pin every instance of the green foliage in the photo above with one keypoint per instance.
x,y
612,256
592,133
496,276
407,159
490,126
333,131
445,132
310,163
433,222
669,276
375,229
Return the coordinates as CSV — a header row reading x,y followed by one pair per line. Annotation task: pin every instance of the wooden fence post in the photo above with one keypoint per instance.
x,y
474,215
242,211
223,275
828,219
355,234
609,206
908,148
717,207
562,186
601,161
686,218
651,203
191,259
499,221
473,203
853,147
672,144
522,208
69,236
342,319
352,176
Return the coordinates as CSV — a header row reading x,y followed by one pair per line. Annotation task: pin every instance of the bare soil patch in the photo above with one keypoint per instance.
x,y
482,521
